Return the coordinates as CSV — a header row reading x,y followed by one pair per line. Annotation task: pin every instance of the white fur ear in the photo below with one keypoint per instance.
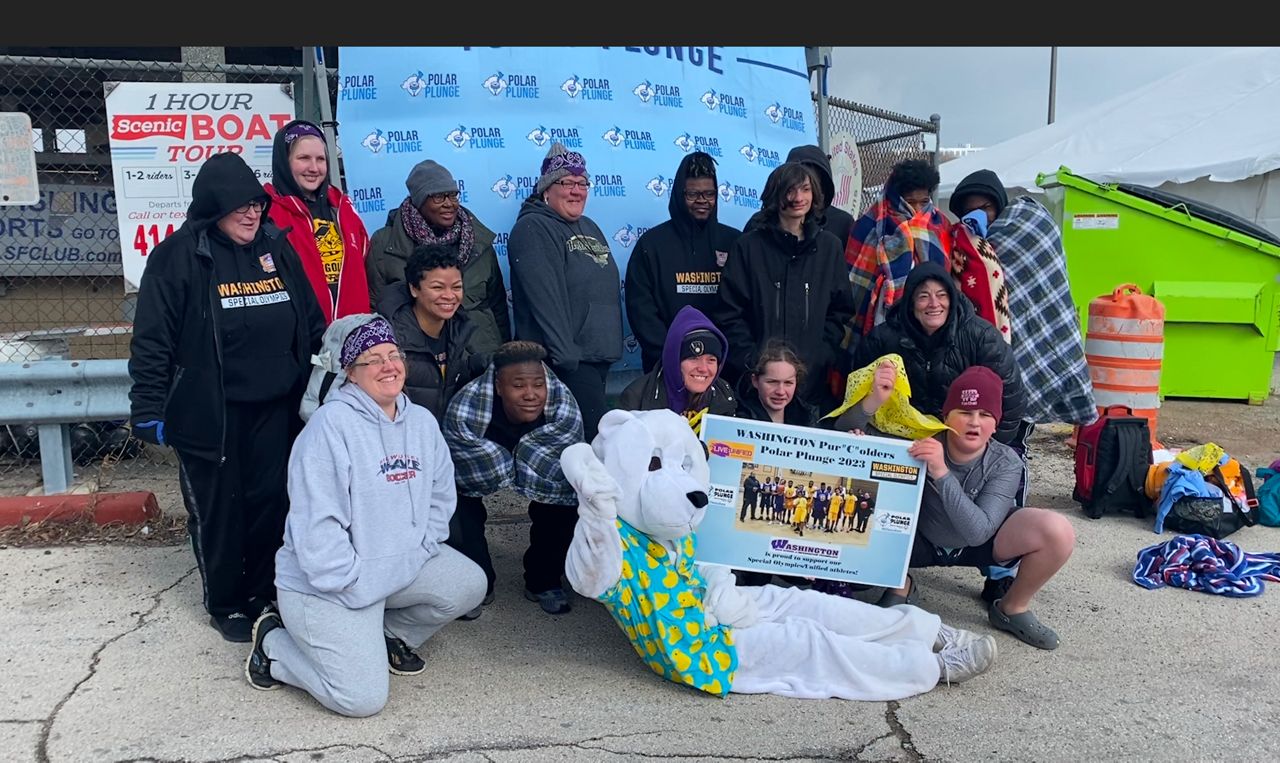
x,y
609,425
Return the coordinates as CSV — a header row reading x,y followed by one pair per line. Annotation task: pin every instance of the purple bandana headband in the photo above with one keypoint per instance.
x,y
301,130
572,162
375,332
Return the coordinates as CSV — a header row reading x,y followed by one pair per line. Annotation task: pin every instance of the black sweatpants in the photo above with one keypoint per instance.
x,y
236,509
550,533
587,383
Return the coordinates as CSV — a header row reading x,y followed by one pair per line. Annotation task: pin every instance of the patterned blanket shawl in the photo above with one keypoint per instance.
x,y
482,466
980,276
1046,331
886,243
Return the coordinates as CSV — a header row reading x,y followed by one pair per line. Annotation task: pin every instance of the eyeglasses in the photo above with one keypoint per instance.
x,y
699,195
440,198
581,185
379,361
256,206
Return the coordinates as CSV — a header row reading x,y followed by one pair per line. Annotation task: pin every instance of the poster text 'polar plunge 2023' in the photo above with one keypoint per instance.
x,y
490,114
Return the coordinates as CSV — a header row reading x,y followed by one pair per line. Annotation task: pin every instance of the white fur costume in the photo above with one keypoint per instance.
x,y
649,470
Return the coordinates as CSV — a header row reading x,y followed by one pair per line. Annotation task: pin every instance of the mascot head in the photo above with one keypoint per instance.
x,y
660,467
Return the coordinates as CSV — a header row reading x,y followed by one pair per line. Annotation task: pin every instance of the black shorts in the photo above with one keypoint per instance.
x,y
925,554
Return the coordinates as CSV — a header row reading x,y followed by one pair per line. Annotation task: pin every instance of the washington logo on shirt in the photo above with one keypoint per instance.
x,y
399,467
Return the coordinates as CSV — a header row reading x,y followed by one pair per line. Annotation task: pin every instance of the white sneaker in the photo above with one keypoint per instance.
x,y
961,663
949,637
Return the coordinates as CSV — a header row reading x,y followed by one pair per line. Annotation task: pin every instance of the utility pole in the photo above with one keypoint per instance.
x,y
1053,79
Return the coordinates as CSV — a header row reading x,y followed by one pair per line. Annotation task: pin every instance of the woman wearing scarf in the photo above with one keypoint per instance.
x,y
899,232
687,380
432,214
321,222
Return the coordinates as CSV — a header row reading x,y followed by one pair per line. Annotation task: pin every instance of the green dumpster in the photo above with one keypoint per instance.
x,y
1217,275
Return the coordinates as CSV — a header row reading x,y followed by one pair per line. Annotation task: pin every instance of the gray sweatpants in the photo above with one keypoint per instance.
x,y
338,654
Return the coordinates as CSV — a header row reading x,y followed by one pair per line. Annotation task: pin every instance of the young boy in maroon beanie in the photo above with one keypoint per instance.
x,y
968,517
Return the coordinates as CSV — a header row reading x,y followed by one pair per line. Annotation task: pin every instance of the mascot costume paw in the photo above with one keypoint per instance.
x,y
642,491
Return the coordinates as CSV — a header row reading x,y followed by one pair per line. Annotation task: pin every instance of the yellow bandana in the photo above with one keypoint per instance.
x,y
896,417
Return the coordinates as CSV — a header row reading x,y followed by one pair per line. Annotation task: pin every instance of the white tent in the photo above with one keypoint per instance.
x,y
1209,131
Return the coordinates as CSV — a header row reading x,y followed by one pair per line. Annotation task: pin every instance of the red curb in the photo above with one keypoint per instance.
x,y
104,508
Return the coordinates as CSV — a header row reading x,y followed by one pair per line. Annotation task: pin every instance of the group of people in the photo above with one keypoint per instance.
x,y
830,509
312,537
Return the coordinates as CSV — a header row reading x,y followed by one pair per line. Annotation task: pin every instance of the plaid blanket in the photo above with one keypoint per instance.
x,y
1201,563
483,467
1046,331
886,243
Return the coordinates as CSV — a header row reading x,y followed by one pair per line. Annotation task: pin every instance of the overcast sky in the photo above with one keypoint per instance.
x,y
988,95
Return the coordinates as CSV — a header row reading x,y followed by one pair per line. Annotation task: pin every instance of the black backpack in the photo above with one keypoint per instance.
x,y
1113,455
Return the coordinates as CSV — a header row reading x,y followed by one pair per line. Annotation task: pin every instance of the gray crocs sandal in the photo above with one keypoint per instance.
x,y
891,599
1024,625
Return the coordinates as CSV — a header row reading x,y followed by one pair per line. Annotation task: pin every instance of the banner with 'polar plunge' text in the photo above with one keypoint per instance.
x,y
490,114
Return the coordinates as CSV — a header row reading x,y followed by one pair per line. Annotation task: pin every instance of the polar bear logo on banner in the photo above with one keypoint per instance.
x,y
684,142
374,141
658,186
749,152
504,187
626,235
644,91
496,83
613,136
457,137
539,136
572,86
710,99
774,112
414,84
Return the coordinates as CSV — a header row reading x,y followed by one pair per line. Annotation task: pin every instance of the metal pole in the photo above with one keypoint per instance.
x,y
326,117
936,119
1053,79
819,59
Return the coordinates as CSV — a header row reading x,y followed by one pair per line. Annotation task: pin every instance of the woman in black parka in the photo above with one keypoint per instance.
x,y
938,334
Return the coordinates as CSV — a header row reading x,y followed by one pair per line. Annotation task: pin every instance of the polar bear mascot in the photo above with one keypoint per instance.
x,y
642,491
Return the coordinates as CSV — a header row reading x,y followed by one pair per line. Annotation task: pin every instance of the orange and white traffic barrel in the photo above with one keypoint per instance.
x,y
1124,348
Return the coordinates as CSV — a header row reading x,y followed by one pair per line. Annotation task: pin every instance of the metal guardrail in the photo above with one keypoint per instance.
x,y
52,394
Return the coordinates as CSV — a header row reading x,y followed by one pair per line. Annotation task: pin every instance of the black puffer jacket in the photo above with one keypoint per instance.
x,y
423,382
933,362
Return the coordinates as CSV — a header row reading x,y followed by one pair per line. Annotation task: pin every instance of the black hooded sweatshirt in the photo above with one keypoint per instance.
x,y
778,286
197,342
674,264
834,220
934,360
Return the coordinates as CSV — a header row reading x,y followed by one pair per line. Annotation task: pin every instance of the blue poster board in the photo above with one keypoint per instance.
x,y
490,114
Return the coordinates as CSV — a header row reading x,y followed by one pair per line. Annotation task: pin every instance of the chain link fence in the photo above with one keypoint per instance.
x,y
884,138
62,292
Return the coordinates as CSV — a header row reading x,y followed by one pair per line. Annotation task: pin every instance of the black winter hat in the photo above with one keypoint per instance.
x,y
983,182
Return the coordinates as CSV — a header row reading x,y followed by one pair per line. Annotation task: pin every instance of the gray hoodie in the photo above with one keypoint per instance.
x,y
565,287
370,500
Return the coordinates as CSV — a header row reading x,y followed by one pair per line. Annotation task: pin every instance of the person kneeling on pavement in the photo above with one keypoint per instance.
x,y
507,429
968,517
364,576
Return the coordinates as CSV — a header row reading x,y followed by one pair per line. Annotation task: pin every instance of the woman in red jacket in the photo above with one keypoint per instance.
x,y
323,225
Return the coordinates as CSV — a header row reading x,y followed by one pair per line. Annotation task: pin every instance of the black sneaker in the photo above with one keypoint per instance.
x,y
401,660
257,667
234,627
994,589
